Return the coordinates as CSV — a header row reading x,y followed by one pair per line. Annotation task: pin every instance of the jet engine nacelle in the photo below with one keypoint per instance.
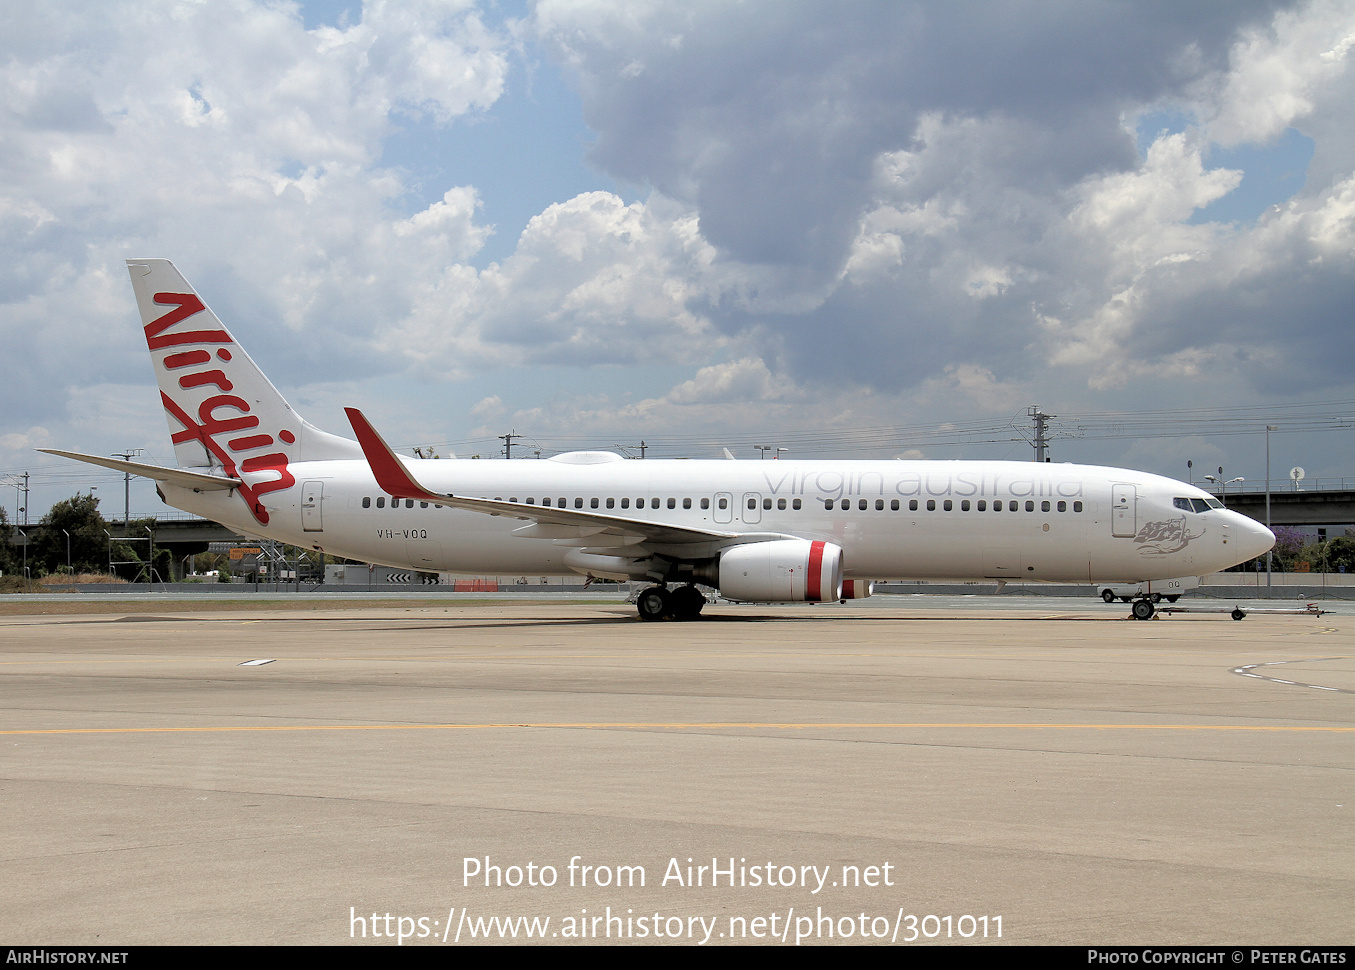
x,y
857,589
782,571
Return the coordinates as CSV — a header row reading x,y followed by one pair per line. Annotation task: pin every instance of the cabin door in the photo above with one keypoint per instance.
x,y
312,498
1123,511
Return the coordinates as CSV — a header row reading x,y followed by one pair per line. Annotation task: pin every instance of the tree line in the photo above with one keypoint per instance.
x,y
73,537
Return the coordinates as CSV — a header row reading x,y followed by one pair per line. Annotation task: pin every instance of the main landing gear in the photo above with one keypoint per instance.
x,y
683,603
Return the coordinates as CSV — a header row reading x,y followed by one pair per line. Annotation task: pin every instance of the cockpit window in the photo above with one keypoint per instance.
x,y
1197,504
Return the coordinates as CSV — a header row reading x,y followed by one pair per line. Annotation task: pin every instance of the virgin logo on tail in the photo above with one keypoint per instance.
x,y
225,436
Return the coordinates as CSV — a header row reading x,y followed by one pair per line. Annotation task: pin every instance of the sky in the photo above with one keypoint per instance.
x,y
880,229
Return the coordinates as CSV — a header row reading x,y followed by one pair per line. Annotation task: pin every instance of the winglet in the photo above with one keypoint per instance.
x,y
389,470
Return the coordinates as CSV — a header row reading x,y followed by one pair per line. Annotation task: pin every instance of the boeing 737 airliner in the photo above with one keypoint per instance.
x,y
759,531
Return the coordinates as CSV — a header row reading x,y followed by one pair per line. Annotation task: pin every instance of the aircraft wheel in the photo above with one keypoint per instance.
x,y
686,603
652,603
1108,596
1143,609
1173,599
1239,615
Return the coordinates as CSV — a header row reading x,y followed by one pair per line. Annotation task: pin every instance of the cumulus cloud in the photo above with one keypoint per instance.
x,y
593,280
246,147
961,187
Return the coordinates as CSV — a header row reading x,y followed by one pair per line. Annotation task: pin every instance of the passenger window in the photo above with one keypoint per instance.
x,y
780,503
611,503
964,505
366,501
912,505
894,505
828,504
879,504
724,503
686,503
546,501
1044,506
1030,506
1013,506
1063,506
381,501
767,503
949,505
796,505
931,505
1077,506
983,505
705,503
752,503
592,503
423,505
625,503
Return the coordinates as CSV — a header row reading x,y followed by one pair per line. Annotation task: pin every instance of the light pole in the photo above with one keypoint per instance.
x,y
1269,552
127,455
1223,486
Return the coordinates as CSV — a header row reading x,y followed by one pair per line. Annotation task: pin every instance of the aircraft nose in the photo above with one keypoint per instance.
x,y
1253,538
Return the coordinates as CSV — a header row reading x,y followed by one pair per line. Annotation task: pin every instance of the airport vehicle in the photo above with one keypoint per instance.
x,y
758,531
1156,590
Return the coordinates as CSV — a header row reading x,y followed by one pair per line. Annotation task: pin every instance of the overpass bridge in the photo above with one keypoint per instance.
x,y
179,532
1324,506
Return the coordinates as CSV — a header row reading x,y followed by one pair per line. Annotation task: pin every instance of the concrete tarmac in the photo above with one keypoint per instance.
x,y
925,771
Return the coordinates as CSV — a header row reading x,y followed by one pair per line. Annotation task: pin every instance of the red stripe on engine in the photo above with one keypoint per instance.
x,y
814,581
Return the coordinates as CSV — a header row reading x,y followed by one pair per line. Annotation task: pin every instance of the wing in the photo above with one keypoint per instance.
x,y
573,527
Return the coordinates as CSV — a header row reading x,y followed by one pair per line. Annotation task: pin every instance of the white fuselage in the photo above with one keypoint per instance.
x,y
895,520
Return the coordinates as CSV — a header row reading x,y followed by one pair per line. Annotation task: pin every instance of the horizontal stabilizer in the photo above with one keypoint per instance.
x,y
182,477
